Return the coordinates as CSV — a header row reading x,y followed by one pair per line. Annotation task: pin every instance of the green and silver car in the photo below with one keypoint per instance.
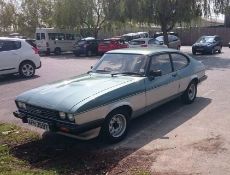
x,y
124,84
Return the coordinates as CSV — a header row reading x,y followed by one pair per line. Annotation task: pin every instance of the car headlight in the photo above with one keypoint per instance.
x,y
21,105
71,117
62,115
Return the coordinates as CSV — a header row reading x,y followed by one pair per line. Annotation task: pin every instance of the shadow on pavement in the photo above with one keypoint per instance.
x,y
8,79
216,61
70,156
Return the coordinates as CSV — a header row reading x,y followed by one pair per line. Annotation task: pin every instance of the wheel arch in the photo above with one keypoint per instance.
x,y
25,61
124,106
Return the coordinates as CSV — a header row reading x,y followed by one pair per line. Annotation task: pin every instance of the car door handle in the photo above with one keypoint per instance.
x,y
174,75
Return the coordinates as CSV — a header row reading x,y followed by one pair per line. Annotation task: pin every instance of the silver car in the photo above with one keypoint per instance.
x,y
124,84
174,41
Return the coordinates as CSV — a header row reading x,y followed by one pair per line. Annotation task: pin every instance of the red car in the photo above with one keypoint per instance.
x,y
111,44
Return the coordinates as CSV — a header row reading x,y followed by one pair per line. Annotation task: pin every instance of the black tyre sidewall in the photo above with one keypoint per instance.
x,y
105,135
57,51
21,72
185,96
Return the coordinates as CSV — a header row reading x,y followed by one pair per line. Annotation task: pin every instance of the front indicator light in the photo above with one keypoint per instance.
x,y
71,117
62,115
21,105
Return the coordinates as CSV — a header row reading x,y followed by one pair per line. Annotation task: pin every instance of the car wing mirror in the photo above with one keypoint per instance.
x,y
154,74
91,67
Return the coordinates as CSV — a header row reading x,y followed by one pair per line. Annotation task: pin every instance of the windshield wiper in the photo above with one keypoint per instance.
x,y
126,73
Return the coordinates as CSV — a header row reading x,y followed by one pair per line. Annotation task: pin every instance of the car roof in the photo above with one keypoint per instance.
x,y
11,39
143,51
142,39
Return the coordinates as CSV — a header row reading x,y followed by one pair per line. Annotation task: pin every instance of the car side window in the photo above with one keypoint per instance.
x,y
179,61
9,45
161,62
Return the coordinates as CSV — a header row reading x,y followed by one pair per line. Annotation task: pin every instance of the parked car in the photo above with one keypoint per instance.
x,y
111,44
174,41
145,42
124,84
18,56
161,34
130,36
207,44
143,34
87,46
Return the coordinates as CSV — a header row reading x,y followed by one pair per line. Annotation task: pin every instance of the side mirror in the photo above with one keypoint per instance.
x,y
156,73
91,67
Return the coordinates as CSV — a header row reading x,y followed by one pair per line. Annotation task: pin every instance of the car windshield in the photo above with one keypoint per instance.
x,y
207,39
127,64
81,42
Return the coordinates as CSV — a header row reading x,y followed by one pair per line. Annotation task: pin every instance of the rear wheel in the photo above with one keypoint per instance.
x,y
57,51
115,126
27,69
189,95
219,51
89,53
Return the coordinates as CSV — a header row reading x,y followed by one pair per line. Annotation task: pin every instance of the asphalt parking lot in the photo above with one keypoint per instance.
x,y
172,139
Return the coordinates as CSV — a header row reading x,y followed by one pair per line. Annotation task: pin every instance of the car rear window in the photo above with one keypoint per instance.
x,y
31,42
138,42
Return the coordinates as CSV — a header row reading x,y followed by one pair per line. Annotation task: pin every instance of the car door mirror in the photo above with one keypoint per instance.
x,y
156,73
91,67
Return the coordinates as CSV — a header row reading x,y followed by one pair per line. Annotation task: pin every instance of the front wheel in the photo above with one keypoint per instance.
x,y
27,69
189,95
212,51
219,51
115,126
89,53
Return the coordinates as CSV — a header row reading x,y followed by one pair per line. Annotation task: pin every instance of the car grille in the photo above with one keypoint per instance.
x,y
41,112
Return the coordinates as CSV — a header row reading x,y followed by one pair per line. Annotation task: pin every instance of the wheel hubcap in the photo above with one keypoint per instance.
x,y
192,92
27,70
117,125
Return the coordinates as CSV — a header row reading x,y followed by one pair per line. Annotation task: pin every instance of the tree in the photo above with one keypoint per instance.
x,y
87,15
34,13
7,16
166,13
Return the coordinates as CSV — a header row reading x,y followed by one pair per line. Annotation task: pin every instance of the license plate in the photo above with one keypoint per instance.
x,y
38,124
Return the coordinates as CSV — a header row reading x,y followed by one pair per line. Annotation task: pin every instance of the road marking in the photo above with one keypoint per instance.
x,y
208,93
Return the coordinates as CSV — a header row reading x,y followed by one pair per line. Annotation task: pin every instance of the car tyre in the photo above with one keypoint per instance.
x,y
115,127
27,69
57,51
89,53
219,51
212,51
189,95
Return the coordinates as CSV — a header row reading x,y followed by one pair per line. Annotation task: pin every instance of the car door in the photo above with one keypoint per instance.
x,y
180,62
9,56
161,87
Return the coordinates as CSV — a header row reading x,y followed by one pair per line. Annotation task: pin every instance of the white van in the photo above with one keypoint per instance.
x,y
50,40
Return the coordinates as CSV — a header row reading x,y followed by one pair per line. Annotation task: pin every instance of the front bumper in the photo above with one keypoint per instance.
x,y
56,125
202,49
